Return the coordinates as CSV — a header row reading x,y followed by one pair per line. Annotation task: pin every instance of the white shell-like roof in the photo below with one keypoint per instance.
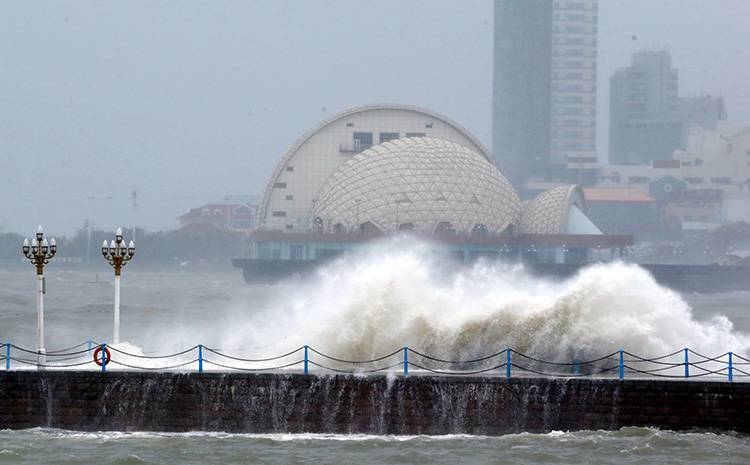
x,y
319,149
423,181
547,213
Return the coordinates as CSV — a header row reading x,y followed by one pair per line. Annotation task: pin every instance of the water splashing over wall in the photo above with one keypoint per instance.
x,y
398,293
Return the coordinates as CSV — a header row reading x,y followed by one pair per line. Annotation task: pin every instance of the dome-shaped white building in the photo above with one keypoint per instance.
x,y
382,169
293,189
423,184
559,210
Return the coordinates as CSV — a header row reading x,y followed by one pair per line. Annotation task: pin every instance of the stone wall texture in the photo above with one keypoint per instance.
x,y
295,403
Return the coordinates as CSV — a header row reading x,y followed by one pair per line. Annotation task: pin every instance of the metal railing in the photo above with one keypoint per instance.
x,y
681,364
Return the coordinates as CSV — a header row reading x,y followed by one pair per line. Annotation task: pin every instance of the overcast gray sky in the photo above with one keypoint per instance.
x,y
187,101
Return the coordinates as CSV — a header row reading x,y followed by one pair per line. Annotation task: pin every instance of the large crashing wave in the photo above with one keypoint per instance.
x,y
395,293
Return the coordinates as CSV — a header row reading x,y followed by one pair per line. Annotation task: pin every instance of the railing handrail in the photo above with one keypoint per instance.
x,y
622,362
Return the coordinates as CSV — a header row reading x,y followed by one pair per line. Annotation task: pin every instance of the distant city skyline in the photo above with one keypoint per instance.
x,y
187,105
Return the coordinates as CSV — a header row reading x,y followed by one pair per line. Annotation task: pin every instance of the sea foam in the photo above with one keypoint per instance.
x,y
397,293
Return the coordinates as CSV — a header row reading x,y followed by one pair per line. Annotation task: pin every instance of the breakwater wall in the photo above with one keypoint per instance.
x,y
378,404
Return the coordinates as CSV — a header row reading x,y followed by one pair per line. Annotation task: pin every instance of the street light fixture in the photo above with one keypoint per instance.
x,y
117,254
39,253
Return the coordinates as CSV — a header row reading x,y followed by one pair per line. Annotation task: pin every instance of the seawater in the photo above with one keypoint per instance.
x,y
366,306
627,446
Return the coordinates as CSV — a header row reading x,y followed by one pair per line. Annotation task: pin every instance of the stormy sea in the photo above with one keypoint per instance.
x,y
363,307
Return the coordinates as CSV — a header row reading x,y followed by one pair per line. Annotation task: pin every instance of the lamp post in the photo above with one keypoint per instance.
x,y
117,254
39,253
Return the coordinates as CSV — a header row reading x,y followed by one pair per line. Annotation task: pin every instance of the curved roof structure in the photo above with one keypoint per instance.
x,y
293,188
424,184
549,211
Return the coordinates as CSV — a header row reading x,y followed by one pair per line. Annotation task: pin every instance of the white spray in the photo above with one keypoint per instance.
x,y
394,294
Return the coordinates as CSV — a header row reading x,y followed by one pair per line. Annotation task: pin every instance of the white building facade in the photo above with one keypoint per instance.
x,y
715,159
290,195
573,84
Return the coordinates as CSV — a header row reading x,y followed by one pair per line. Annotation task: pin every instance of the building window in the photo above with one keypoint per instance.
x,y
386,136
693,180
290,197
362,141
638,179
279,214
349,125
290,168
279,185
415,134
720,180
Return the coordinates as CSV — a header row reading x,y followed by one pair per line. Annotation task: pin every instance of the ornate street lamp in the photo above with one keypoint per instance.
x,y
39,253
117,254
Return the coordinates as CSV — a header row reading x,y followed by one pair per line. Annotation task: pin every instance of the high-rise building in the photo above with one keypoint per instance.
x,y
544,108
644,121
648,119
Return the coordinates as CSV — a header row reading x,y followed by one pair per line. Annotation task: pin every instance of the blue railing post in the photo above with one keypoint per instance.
x,y
306,359
507,363
730,367
7,356
687,364
622,364
406,361
104,358
200,358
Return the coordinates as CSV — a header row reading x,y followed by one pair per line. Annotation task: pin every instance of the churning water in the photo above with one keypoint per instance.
x,y
388,296
368,305
627,446
392,294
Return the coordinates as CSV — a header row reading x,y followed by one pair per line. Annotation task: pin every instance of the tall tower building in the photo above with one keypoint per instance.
x,y
544,95
648,119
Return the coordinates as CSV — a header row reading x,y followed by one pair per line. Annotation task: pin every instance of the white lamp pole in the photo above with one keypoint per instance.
x,y
39,252
117,254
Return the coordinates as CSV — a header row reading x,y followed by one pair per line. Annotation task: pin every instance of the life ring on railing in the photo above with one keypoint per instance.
x,y
98,359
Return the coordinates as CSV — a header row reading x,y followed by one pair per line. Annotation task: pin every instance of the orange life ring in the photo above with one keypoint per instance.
x,y
98,359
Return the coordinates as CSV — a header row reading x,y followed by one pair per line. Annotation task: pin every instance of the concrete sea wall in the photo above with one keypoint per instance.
x,y
292,403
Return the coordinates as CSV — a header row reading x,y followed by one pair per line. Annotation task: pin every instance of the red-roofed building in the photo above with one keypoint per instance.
x,y
624,210
617,195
